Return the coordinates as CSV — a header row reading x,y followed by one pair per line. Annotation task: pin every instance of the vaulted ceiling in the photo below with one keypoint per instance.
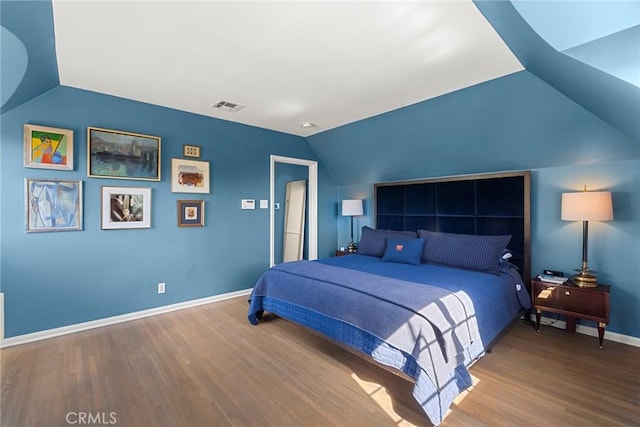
x,y
326,63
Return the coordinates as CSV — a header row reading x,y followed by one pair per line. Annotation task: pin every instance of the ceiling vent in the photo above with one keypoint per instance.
x,y
228,106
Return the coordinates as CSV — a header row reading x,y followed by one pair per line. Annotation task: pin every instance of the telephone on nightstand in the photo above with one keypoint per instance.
x,y
552,276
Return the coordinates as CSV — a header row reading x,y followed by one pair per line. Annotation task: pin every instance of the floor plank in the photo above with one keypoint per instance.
x,y
207,366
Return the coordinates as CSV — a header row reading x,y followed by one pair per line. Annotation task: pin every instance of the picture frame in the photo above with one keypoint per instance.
x,y
190,176
125,208
53,205
122,155
48,147
190,213
191,150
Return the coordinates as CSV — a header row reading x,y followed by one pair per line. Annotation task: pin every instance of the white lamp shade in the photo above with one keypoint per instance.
x,y
587,206
352,207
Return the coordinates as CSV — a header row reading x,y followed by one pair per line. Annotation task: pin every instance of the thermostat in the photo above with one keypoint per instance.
x,y
248,204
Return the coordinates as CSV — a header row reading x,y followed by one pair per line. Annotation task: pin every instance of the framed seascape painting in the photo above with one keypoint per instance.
x,y
48,148
125,207
189,176
190,213
53,205
125,155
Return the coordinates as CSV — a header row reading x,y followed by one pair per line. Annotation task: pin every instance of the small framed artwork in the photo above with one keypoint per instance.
x,y
53,205
124,155
189,176
125,207
191,150
190,213
48,148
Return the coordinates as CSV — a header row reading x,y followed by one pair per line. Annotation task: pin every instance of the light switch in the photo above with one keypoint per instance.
x,y
248,204
264,204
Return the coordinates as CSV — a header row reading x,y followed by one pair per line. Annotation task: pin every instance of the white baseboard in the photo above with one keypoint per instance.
x,y
591,331
70,329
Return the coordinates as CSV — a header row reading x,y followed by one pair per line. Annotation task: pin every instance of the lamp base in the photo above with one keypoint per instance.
x,y
585,279
352,247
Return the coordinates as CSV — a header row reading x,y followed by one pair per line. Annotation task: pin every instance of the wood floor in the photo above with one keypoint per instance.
x,y
207,366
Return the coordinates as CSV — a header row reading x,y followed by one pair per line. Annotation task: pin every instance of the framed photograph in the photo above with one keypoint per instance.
x,y
53,205
48,148
190,213
191,150
125,155
125,207
189,176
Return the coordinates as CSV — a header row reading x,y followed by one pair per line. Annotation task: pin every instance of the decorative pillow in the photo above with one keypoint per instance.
x,y
374,242
473,252
406,251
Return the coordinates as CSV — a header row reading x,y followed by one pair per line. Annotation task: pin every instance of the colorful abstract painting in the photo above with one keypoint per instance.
x,y
48,148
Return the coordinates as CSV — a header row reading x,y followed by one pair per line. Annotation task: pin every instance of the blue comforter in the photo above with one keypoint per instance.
x,y
429,321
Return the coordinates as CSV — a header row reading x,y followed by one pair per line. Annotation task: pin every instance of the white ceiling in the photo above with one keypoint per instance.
x,y
330,63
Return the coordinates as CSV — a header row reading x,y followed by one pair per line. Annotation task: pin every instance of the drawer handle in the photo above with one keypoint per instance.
x,y
567,292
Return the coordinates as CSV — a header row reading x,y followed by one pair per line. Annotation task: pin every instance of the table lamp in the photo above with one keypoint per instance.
x,y
352,207
586,206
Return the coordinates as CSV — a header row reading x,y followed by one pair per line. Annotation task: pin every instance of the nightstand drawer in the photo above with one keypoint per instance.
x,y
575,301
572,302
588,303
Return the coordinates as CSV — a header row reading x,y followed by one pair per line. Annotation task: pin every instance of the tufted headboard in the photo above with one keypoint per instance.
x,y
497,203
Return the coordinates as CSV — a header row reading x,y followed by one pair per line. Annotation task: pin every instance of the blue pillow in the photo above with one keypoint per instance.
x,y
374,242
406,251
473,252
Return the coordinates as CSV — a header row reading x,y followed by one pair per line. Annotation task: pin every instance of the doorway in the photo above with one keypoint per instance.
x,y
312,199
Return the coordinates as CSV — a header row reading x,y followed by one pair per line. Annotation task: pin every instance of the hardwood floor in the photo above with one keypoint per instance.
x,y
207,366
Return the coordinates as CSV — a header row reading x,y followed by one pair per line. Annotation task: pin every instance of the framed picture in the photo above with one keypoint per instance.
x,y
53,205
125,155
191,150
189,176
190,213
125,207
48,148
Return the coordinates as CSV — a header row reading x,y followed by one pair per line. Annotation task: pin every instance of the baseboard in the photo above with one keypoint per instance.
x,y
78,327
591,331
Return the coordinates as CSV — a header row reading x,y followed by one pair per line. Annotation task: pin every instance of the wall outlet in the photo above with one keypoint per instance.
x,y
161,287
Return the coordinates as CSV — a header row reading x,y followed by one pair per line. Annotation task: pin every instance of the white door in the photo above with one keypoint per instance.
x,y
296,194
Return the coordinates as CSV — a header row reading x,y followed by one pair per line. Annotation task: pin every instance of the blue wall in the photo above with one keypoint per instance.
x,y
57,279
515,122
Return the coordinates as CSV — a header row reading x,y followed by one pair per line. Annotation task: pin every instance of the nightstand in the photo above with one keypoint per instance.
x,y
340,253
572,302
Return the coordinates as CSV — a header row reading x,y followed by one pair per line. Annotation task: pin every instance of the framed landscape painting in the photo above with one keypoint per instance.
x,y
125,207
124,155
48,148
53,205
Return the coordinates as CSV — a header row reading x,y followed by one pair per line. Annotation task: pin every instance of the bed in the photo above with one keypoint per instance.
x,y
425,302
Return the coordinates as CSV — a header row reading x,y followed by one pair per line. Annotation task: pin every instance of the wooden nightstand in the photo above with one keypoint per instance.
x,y
572,302
340,253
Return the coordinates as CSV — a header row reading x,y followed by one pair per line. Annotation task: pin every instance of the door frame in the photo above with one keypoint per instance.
x,y
312,243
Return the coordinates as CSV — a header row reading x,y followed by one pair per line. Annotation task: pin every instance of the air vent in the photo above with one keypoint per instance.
x,y
228,106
